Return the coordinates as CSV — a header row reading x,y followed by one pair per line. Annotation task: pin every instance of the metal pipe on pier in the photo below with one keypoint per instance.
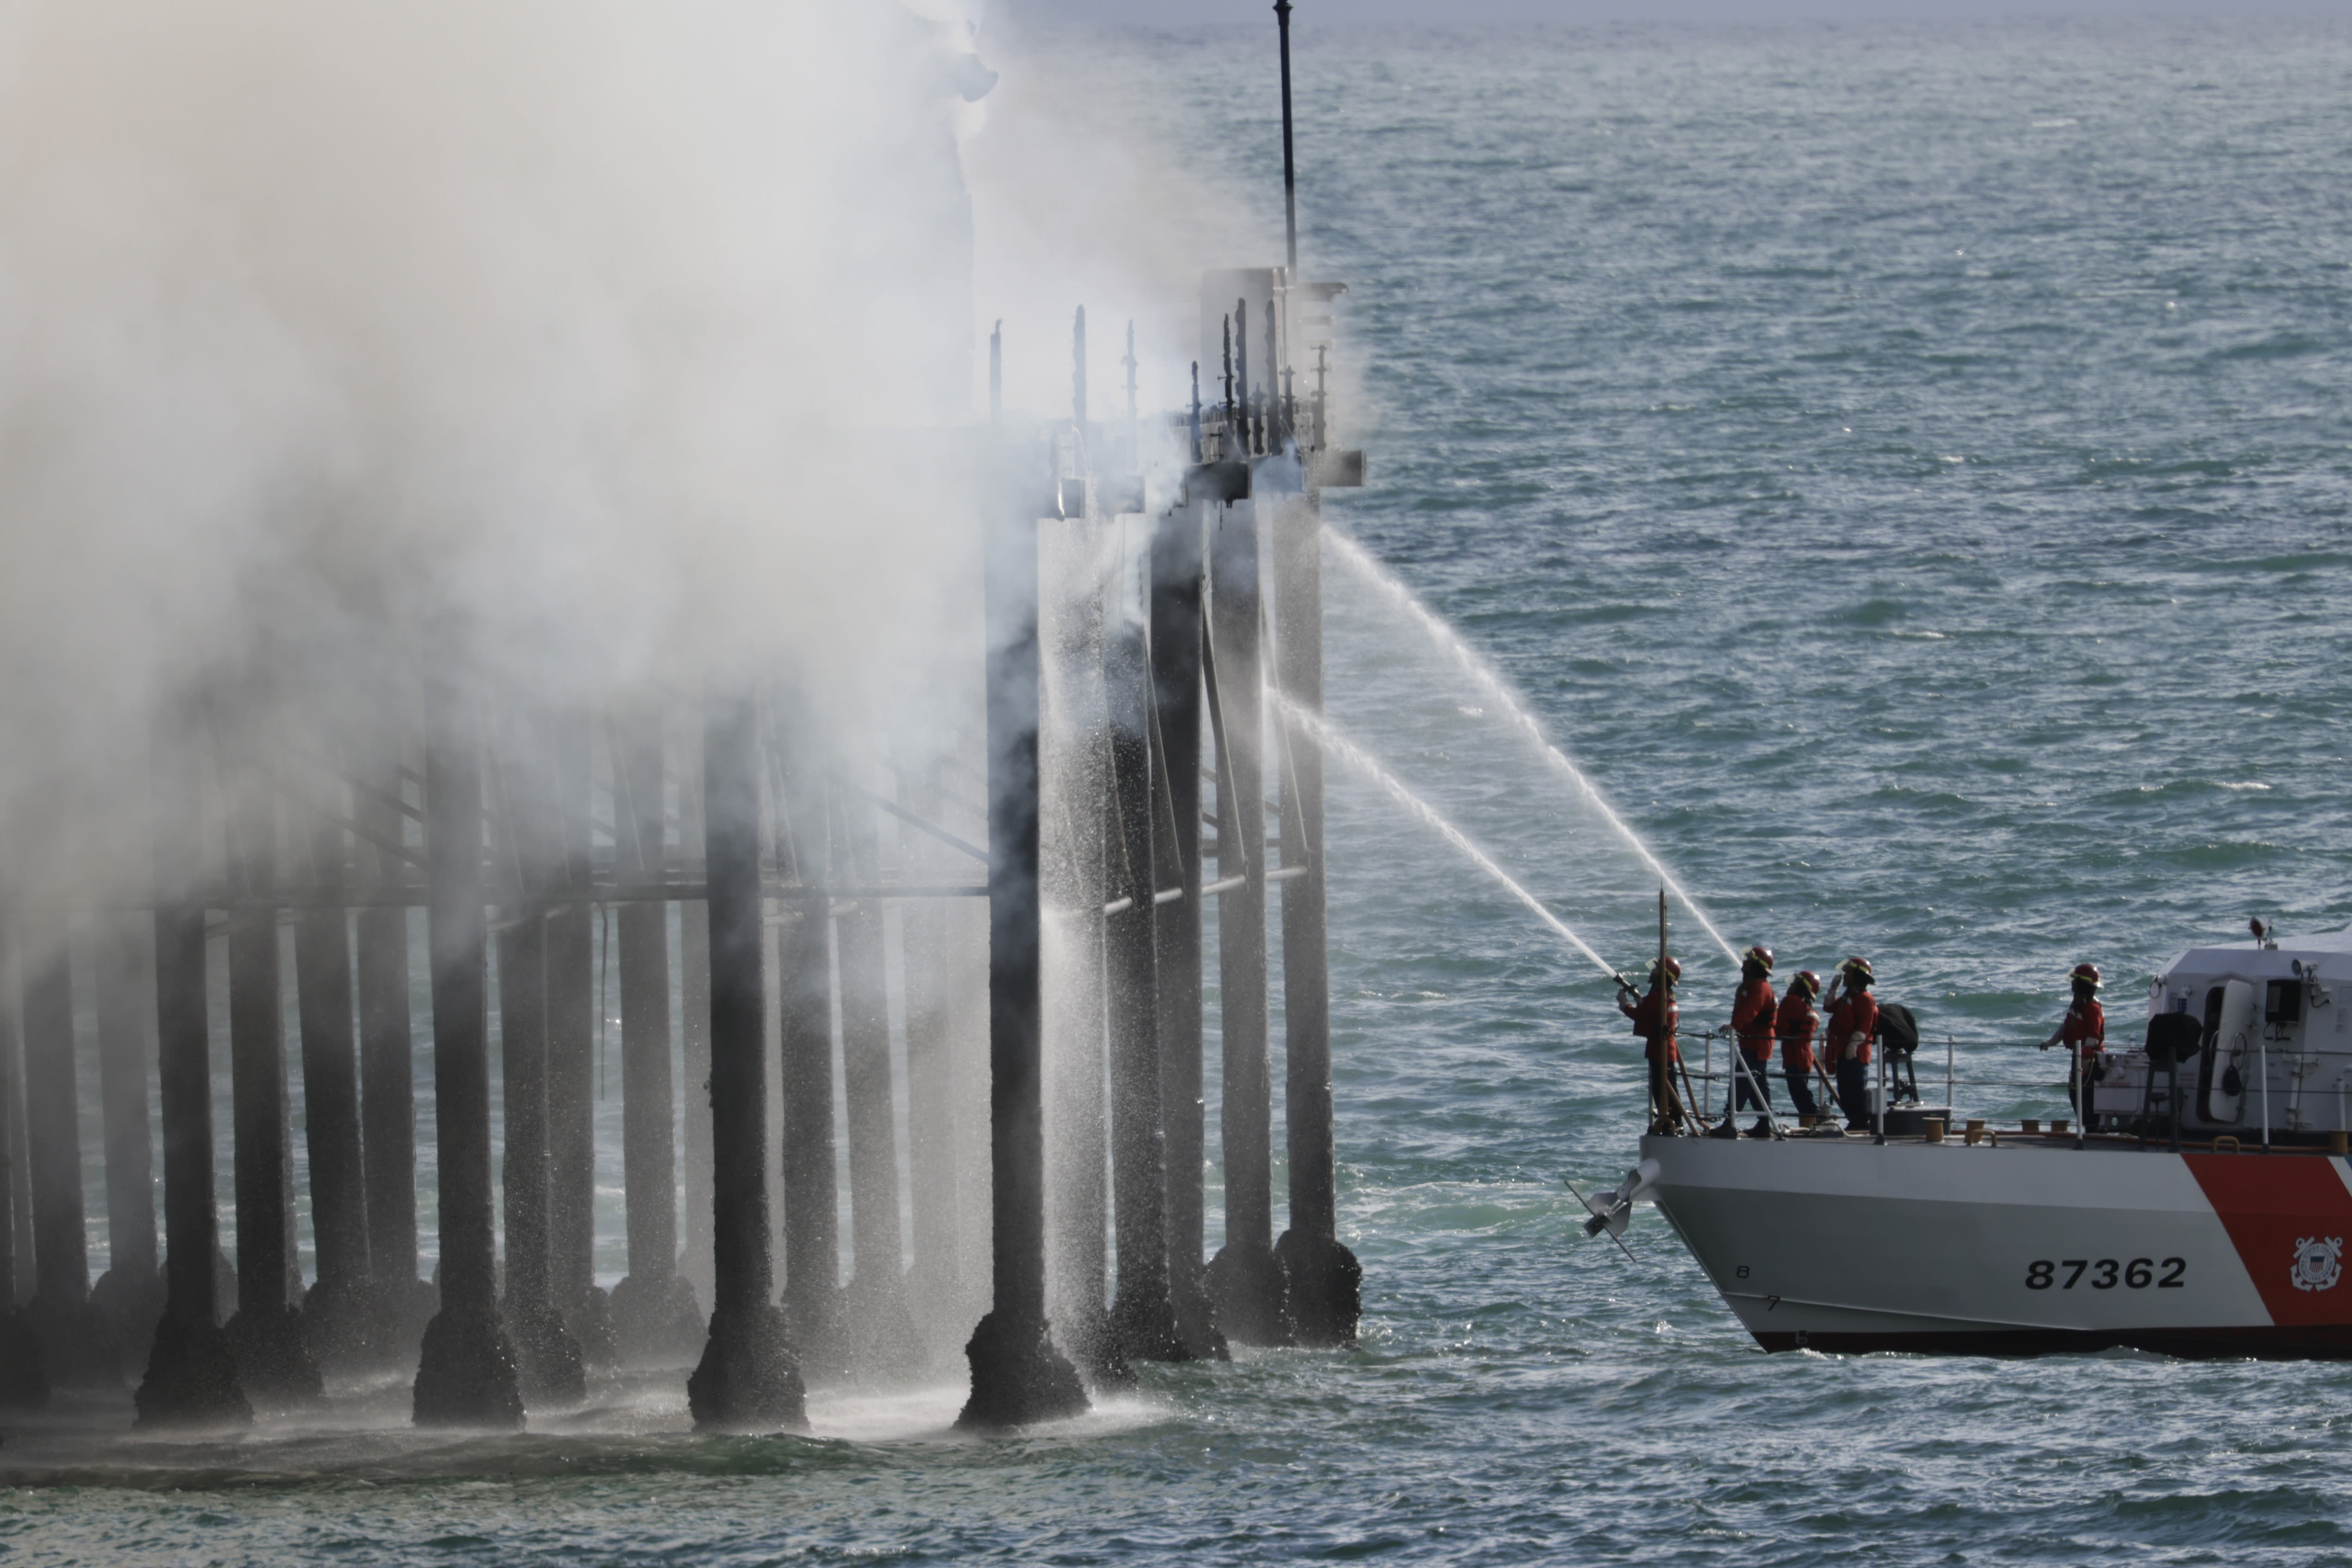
x,y
746,1380
467,1374
655,1316
1325,1280
1245,1278
1017,1375
191,1375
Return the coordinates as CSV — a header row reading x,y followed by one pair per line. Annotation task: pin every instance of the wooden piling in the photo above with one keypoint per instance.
x,y
1326,1282
1179,567
1017,1375
1143,1319
746,1380
804,998
655,1315
466,1374
130,1291
573,1009
1245,1278
339,1314
883,1341
78,1343
273,1355
405,1302
191,1375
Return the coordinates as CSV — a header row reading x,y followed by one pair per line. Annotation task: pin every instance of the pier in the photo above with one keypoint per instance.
x,y
797,957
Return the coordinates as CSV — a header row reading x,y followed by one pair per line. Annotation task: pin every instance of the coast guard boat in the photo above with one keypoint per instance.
x,y
2204,1212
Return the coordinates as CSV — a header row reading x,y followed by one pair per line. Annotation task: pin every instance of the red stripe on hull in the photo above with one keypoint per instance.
x,y
2324,1341
2275,1210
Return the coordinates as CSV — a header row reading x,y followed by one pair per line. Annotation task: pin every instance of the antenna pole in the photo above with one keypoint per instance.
x,y
1289,169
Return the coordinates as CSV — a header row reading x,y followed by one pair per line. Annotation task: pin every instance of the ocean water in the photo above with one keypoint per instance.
x,y
1910,471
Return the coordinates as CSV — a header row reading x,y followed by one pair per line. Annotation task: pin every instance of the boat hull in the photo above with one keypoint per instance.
x,y
2028,1248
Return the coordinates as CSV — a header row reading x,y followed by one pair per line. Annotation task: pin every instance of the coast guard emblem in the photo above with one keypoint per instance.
x,y
2318,1262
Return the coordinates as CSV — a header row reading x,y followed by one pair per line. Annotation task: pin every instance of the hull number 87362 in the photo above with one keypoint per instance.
x,y
2105,1273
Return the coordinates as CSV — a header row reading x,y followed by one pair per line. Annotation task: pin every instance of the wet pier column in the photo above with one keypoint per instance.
x,y
528,842
1073,753
405,1302
273,1353
339,1312
1017,1375
805,995
1143,1320
883,1341
1245,1278
78,1342
24,1369
928,988
746,1380
694,1026
131,1292
655,1315
191,1377
1178,567
573,1006
466,1374
1326,1283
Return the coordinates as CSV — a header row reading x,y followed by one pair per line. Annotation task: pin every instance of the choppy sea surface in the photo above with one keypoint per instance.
x,y
1910,472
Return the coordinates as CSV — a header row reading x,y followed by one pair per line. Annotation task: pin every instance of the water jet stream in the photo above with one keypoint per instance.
x,y
1361,560
1361,761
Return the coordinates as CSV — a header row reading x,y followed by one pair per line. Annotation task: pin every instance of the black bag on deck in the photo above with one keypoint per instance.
x,y
1898,1029
2173,1037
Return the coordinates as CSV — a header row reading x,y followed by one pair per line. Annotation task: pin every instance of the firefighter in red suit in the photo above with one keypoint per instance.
x,y
2084,1033
1852,1023
1655,1017
1796,1024
1753,1009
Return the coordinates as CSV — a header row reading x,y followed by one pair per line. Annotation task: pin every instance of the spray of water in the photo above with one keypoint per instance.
x,y
1498,691
1355,757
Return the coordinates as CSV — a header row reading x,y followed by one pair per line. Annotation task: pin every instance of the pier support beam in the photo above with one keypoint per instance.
x,y
1143,1319
746,1380
804,994
273,1355
405,1302
191,1375
573,1006
24,1369
466,1374
883,1341
929,991
76,1339
547,1356
131,1292
1017,1375
1326,1283
339,1314
694,1027
1178,569
655,1316
1246,1280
